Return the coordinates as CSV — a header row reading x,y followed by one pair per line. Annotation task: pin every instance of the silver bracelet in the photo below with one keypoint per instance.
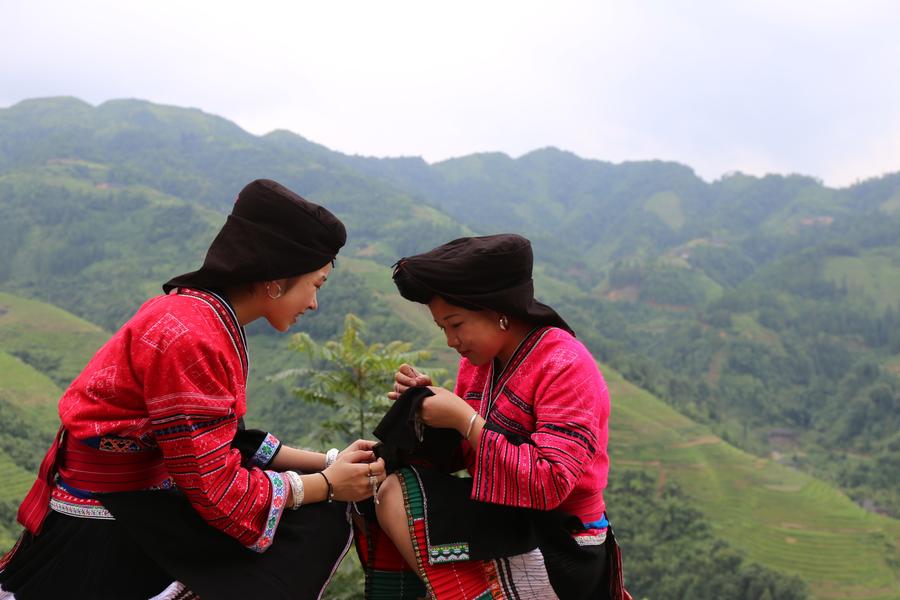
x,y
296,488
471,423
331,456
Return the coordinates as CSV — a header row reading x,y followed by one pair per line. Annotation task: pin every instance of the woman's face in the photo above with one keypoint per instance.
x,y
299,295
475,334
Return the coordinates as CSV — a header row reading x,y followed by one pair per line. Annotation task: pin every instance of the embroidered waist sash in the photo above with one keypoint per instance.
x,y
110,469
106,468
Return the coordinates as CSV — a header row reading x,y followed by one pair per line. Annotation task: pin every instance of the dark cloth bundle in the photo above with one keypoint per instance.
x,y
405,439
491,272
271,233
490,530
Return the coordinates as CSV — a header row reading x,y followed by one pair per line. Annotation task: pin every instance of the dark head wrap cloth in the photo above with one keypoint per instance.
x,y
491,272
271,233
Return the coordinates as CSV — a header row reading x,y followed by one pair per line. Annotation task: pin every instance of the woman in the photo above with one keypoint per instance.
x,y
153,488
532,410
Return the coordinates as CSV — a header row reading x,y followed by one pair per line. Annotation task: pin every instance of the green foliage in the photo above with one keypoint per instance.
x,y
672,286
350,377
670,550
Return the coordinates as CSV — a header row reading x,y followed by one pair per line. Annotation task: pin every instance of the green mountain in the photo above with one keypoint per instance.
x,y
764,310
766,307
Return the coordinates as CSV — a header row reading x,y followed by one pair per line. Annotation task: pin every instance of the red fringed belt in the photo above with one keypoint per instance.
x,y
91,469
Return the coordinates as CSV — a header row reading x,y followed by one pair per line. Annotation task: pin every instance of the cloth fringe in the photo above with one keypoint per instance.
x,y
175,591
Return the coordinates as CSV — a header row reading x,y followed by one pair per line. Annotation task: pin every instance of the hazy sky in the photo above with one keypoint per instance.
x,y
756,86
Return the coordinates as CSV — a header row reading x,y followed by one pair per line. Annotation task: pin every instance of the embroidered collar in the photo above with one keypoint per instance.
x,y
228,318
522,351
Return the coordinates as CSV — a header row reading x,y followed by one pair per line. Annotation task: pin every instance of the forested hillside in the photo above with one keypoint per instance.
x,y
764,308
767,307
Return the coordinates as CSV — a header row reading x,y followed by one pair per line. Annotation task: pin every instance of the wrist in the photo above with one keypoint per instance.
x,y
469,424
297,491
315,489
330,457
329,489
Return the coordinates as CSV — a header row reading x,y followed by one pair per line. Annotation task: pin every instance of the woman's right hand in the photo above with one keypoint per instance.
x,y
405,378
350,475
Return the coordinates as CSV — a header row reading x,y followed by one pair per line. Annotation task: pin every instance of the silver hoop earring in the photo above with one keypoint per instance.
x,y
504,323
278,295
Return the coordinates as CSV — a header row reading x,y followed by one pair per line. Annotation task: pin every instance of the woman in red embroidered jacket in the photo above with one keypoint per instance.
x,y
153,487
532,410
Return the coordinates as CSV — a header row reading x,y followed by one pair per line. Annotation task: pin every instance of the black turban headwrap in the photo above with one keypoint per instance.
x,y
491,272
271,233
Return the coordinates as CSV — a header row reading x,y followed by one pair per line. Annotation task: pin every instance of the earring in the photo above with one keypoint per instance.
x,y
278,294
504,323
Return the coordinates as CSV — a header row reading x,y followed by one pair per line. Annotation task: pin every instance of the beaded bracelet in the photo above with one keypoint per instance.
x,y
330,487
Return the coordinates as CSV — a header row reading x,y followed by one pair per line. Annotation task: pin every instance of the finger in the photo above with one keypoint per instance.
x,y
358,456
408,370
379,469
393,395
404,379
364,444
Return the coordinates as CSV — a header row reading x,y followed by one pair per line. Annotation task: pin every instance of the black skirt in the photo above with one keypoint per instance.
x,y
157,538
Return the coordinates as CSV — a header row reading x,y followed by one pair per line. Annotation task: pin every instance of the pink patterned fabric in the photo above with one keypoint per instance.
x,y
173,380
544,445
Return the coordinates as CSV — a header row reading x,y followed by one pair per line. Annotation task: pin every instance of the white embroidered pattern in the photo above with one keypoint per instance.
x,y
165,331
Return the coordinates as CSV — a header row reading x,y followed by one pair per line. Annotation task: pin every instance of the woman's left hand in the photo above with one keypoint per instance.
x,y
445,409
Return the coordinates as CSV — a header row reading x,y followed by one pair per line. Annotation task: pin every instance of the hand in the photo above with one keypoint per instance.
x,y
352,474
407,377
445,409
357,445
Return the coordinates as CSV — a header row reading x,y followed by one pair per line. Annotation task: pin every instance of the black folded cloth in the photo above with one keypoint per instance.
x,y
406,440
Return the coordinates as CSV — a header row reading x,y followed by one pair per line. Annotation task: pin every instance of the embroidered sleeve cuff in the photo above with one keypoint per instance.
x,y
266,451
280,487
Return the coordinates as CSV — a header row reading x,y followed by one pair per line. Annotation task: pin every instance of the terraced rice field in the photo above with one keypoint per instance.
x,y
780,517
57,341
15,484
874,275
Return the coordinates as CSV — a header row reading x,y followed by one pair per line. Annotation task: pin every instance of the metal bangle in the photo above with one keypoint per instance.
x,y
471,424
331,456
296,488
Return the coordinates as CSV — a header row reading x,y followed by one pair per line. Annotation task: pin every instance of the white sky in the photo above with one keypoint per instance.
x,y
760,86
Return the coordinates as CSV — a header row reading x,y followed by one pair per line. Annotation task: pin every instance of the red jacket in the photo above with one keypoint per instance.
x,y
159,403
